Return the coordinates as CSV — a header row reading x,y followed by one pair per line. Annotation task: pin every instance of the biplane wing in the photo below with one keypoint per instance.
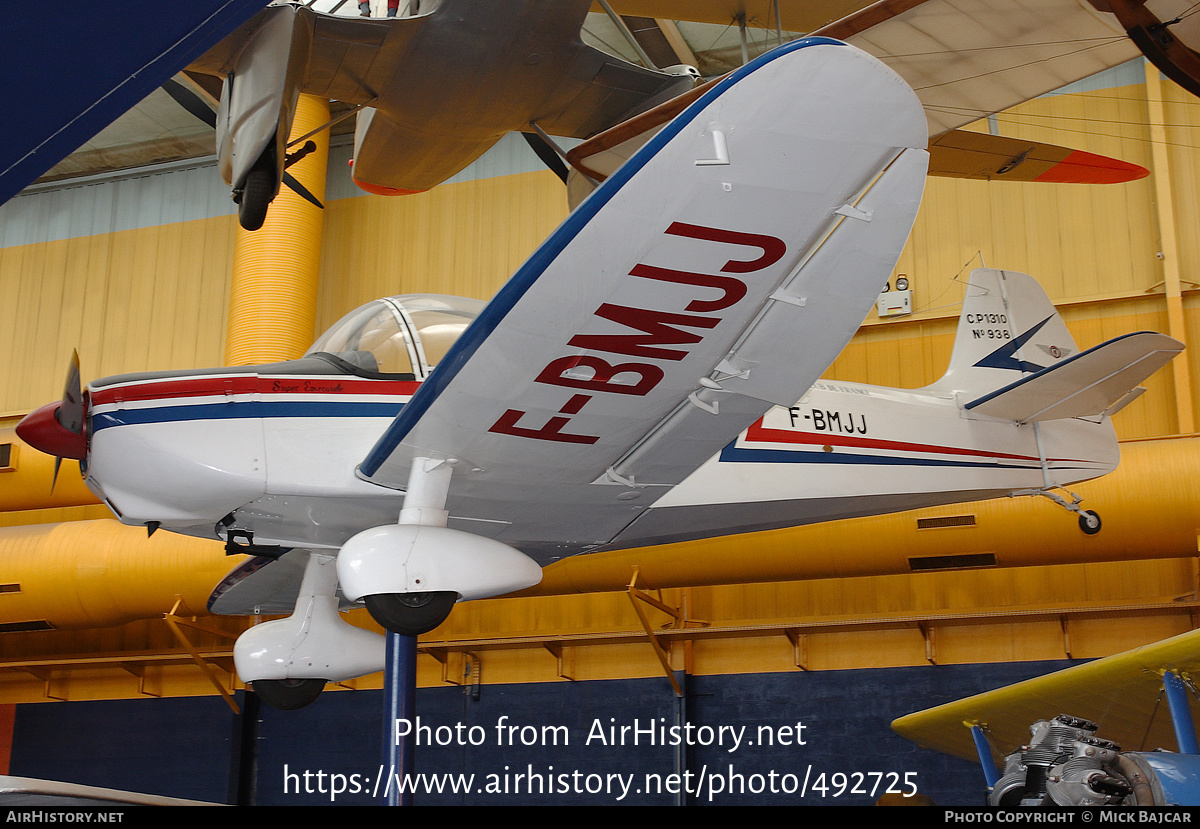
x,y
965,59
1121,693
970,58
756,229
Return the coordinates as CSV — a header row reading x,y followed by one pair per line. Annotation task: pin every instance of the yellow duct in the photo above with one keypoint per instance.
x,y
98,573
87,574
273,293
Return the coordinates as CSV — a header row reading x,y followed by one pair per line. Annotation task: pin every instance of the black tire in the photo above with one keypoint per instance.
x,y
256,196
288,694
410,614
1089,522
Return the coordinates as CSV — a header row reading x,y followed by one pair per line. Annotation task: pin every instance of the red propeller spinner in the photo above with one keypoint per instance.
x,y
58,428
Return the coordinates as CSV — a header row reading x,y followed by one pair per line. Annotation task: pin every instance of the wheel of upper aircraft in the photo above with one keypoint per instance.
x,y
411,614
1089,522
288,694
257,191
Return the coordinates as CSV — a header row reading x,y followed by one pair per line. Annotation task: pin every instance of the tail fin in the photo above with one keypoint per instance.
x,y
1008,329
1014,358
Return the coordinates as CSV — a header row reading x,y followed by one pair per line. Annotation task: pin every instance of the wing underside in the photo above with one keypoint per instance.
x,y
717,273
970,58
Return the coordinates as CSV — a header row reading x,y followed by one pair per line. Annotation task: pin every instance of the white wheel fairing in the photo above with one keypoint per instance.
x,y
409,558
314,642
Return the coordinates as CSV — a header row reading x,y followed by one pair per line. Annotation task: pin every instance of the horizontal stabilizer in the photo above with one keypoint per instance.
x,y
1089,384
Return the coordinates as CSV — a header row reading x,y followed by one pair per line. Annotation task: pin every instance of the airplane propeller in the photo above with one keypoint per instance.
x,y
197,106
546,154
59,428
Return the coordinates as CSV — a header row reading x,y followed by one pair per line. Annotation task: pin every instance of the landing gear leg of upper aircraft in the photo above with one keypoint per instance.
x,y
410,574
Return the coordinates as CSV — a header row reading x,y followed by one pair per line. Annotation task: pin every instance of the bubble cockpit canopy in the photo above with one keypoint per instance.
x,y
399,336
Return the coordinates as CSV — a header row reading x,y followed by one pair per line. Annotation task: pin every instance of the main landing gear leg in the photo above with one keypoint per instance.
x,y
412,613
410,574
419,611
288,661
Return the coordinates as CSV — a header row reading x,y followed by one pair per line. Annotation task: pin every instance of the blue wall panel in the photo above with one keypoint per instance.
x,y
549,743
175,747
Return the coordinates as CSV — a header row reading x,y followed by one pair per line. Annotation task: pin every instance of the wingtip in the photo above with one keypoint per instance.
x,y
1089,168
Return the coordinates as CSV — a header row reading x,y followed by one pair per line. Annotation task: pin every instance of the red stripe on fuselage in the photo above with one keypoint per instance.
x,y
249,384
762,434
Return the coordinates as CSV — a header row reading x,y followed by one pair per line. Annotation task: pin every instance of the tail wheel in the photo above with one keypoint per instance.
x,y
1089,522
288,694
410,614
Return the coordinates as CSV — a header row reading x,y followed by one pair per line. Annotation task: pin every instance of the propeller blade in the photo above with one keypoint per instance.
x,y
71,414
547,155
190,101
301,190
291,158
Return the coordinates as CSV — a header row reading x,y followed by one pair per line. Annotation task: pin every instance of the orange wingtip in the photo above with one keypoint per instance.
x,y
381,190
1088,168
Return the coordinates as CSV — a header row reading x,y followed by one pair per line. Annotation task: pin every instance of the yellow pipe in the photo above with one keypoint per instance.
x,y
86,574
273,293
1150,508
99,573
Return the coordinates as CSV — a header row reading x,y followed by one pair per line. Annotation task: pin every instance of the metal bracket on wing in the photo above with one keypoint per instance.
x,y
852,212
720,151
704,398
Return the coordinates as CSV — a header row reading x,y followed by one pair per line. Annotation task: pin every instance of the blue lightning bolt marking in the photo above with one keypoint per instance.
x,y
1005,355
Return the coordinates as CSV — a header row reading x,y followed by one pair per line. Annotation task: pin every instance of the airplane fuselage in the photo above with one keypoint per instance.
x,y
267,454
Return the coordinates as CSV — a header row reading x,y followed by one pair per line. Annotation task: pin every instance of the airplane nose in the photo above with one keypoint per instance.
x,y
41,430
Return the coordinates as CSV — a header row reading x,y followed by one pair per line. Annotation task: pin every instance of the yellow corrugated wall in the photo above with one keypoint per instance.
x,y
132,300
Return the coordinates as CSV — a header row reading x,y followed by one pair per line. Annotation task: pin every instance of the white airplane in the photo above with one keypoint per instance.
x,y
635,382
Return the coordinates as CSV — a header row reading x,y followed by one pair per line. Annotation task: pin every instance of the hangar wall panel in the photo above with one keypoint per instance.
x,y
128,300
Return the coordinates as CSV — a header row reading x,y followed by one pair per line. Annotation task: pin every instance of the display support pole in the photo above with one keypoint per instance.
x,y
400,703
